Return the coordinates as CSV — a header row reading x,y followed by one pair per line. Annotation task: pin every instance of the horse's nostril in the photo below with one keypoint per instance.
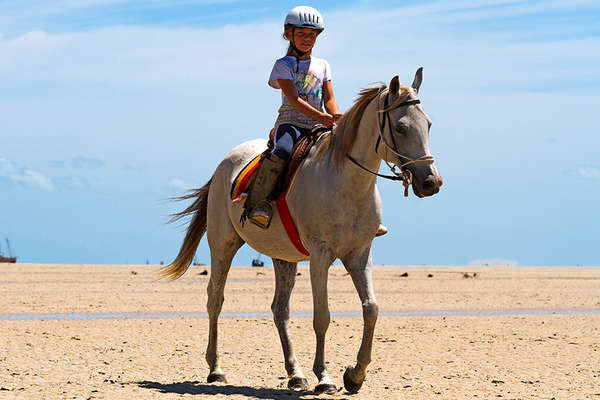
x,y
430,184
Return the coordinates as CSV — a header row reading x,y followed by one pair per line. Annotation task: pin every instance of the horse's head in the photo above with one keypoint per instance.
x,y
404,129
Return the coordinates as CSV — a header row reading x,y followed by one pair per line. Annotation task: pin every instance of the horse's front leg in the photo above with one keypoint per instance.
x,y
320,261
359,267
285,277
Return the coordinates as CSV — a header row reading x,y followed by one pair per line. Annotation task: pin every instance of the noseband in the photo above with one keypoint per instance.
x,y
404,175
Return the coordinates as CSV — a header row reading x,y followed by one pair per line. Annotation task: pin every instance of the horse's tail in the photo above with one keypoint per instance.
x,y
197,210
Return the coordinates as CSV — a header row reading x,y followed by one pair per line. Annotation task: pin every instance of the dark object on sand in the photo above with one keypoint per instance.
x,y
430,275
404,275
205,272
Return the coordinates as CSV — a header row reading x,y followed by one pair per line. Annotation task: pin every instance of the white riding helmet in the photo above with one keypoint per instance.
x,y
305,17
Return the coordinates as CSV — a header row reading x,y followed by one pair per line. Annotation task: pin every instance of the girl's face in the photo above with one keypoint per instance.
x,y
304,38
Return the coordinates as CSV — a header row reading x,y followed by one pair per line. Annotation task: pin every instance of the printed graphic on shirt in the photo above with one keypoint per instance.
x,y
309,87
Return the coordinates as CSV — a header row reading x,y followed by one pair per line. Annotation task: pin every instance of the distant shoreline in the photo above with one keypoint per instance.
x,y
305,264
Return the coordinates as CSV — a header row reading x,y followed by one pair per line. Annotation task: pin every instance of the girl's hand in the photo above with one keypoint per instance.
x,y
327,120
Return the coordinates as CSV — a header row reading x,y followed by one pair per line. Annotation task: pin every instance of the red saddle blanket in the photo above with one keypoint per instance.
x,y
240,185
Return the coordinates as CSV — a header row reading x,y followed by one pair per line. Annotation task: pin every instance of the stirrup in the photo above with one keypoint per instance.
x,y
382,230
261,215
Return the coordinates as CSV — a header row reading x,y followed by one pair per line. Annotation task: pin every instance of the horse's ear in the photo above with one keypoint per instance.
x,y
394,86
418,79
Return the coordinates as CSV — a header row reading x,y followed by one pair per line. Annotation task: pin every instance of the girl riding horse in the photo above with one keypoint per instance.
x,y
305,83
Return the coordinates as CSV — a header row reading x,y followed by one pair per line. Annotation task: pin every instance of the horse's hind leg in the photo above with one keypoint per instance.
x,y
285,277
359,267
224,242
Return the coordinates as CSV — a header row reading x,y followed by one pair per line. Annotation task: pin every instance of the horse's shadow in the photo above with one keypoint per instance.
x,y
196,387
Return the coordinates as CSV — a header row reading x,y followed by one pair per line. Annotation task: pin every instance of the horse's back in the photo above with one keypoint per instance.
x,y
238,157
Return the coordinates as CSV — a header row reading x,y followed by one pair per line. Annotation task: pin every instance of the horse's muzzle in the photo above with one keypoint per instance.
x,y
428,186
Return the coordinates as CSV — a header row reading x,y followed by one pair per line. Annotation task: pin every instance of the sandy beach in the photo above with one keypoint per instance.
x,y
113,332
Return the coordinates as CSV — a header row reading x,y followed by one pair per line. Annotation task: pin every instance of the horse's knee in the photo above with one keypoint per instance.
x,y
280,311
321,322
370,312
213,288
214,302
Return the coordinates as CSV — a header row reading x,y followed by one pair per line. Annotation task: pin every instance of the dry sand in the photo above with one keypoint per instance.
x,y
517,356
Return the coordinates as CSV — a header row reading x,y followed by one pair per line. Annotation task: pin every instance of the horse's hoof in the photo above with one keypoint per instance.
x,y
325,388
349,384
216,378
297,383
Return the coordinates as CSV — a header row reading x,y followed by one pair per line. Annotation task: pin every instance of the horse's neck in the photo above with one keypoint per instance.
x,y
363,149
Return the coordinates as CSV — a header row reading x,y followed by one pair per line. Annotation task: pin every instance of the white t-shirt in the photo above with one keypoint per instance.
x,y
309,80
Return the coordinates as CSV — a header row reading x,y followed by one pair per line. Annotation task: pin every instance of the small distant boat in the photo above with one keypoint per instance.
x,y
10,258
257,262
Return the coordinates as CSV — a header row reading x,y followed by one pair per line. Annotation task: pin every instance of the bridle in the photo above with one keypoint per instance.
x,y
404,175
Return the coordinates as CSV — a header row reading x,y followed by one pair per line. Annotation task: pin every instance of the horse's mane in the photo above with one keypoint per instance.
x,y
339,142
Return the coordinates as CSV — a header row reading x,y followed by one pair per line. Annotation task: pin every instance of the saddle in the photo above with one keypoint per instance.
x,y
299,153
244,179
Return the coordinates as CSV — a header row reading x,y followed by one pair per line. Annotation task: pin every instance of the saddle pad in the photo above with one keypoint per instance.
x,y
241,183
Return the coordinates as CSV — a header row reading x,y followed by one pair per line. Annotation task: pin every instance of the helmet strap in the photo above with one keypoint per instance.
x,y
299,53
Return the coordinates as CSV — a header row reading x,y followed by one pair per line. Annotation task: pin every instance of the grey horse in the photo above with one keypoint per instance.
x,y
336,208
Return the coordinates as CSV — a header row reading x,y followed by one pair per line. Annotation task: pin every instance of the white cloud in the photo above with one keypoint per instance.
x,y
15,14
590,172
73,182
494,262
180,184
28,177
6,167
474,10
131,55
432,34
34,179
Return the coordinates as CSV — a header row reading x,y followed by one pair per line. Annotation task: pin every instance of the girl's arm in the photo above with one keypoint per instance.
x,y
291,92
330,104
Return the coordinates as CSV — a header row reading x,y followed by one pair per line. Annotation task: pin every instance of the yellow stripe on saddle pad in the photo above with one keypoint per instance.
x,y
240,183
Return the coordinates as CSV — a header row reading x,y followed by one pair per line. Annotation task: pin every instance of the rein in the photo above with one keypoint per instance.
x,y
404,175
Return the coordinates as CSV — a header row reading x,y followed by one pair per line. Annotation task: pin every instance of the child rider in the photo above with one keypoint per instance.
x,y
305,83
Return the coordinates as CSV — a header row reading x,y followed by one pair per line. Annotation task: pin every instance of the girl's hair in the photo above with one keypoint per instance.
x,y
286,29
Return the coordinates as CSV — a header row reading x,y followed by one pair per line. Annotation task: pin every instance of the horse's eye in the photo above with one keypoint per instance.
x,y
401,129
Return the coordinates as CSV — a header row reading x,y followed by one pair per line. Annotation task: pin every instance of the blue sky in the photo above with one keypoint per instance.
x,y
108,107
